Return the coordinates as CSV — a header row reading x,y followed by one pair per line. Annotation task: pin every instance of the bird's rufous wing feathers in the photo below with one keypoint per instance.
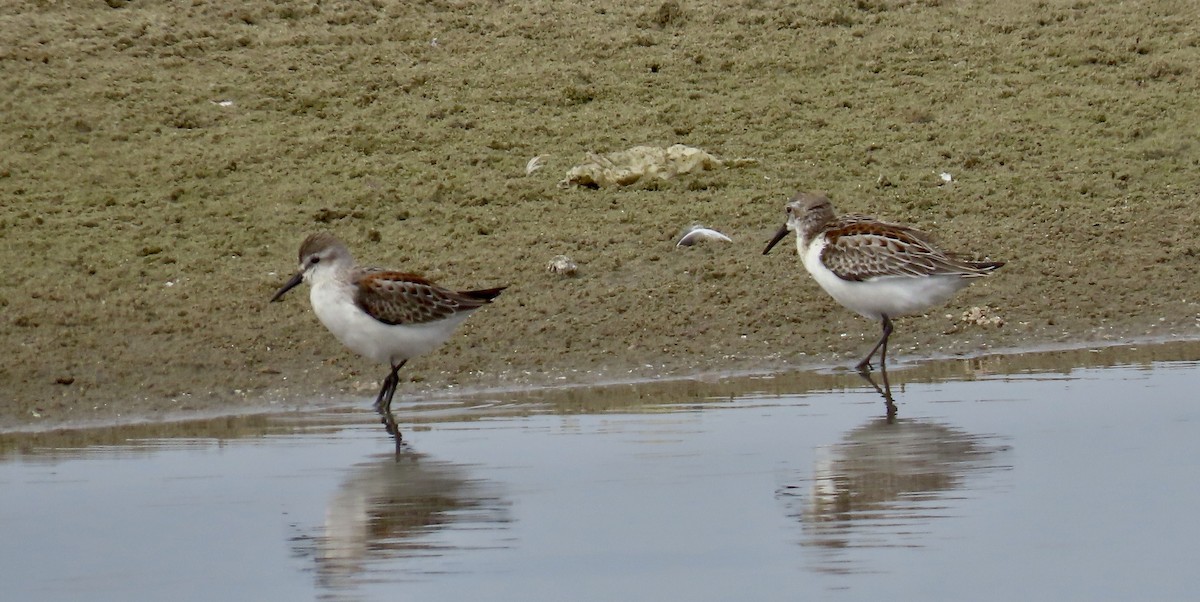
x,y
402,298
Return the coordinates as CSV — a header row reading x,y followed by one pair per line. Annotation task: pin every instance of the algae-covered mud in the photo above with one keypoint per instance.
x,y
162,161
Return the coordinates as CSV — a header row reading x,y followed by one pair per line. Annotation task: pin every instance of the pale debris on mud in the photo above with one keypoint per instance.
x,y
622,168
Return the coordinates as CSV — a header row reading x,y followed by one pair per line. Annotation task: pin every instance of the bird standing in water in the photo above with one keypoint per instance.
x,y
387,316
877,269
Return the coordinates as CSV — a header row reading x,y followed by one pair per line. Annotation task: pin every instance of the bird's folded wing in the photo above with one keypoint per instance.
x,y
861,250
401,298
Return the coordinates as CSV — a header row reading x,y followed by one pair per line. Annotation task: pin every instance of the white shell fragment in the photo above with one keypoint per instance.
x,y
946,177
535,164
699,234
562,265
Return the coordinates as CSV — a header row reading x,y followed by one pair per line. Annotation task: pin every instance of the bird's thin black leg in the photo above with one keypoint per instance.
x,y
383,392
865,364
887,332
383,403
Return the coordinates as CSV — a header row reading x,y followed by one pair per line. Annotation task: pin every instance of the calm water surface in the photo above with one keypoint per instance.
x,y
1065,476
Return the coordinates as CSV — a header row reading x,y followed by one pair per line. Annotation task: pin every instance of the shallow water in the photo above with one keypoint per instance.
x,y
1067,475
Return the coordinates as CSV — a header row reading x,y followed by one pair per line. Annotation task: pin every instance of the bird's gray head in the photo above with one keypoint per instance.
x,y
322,247
319,251
807,213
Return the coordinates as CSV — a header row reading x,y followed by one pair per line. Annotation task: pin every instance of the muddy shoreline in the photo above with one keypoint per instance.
x,y
627,394
163,164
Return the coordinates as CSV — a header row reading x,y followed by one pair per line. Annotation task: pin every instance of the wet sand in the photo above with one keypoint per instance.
x,y
162,164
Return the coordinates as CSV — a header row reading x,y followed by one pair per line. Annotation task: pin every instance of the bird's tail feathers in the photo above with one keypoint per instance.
x,y
486,294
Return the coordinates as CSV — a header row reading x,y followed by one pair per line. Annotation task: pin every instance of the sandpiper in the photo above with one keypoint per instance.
x,y
388,316
877,269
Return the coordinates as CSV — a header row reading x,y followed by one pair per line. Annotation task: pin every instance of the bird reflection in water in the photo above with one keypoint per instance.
x,y
399,508
881,486
889,402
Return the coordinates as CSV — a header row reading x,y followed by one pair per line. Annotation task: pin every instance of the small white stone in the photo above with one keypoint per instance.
x,y
562,265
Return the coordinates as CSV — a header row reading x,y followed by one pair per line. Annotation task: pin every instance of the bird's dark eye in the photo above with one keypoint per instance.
x,y
315,260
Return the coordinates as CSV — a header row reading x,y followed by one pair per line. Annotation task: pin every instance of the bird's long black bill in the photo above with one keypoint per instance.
x,y
778,237
291,284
